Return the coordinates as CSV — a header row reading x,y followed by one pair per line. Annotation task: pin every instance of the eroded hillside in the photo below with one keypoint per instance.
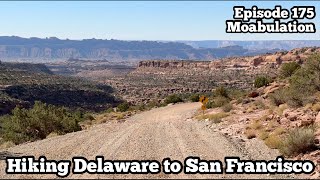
x,y
155,79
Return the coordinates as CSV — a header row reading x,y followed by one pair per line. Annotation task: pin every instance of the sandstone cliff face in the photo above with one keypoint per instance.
x,y
269,60
181,76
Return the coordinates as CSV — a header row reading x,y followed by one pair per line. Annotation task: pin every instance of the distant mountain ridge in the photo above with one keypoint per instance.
x,y
13,48
254,45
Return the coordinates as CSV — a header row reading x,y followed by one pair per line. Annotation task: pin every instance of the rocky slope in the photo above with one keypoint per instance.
x,y
156,79
247,63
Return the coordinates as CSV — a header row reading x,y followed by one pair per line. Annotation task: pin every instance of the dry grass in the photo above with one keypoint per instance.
x,y
53,134
259,104
273,141
256,125
279,131
273,124
299,140
262,134
227,107
316,107
105,117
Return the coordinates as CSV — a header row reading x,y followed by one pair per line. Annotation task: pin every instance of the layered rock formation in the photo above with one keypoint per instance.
x,y
158,78
251,62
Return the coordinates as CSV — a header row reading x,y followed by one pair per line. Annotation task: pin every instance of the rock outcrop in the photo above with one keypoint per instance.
x,y
262,61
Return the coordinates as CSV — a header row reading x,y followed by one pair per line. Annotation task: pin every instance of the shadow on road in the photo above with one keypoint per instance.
x,y
5,154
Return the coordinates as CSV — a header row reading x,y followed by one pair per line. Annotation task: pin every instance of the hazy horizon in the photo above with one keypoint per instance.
x,y
160,40
155,21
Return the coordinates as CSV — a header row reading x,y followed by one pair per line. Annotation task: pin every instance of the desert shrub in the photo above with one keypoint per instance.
x,y
273,141
119,116
279,131
293,97
307,79
227,107
210,105
288,69
109,110
195,98
173,99
316,107
37,123
123,107
220,101
261,81
256,125
278,97
259,104
88,116
303,83
153,104
237,93
263,135
221,91
299,140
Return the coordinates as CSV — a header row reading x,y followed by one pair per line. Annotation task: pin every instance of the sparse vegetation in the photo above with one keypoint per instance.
x,y
227,107
261,81
288,69
263,135
38,122
256,125
220,101
174,98
278,97
221,91
123,107
304,82
316,107
195,98
273,141
299,140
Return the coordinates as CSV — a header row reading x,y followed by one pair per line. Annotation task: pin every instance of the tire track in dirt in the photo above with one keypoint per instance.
x,y
152,135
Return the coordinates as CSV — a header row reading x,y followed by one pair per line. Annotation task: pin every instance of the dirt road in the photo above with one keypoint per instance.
x,y
156,134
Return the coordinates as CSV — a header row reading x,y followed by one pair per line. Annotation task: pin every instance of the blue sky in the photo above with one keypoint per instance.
x,y
145,20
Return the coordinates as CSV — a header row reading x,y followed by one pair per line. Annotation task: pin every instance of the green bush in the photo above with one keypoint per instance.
x,y
123,107
227,107
278,97
221,91
109,110
37,123
307,79
290,95
217,102
210,105
173,99
261,81
303,84
299,140
288,69
195,98
220,101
